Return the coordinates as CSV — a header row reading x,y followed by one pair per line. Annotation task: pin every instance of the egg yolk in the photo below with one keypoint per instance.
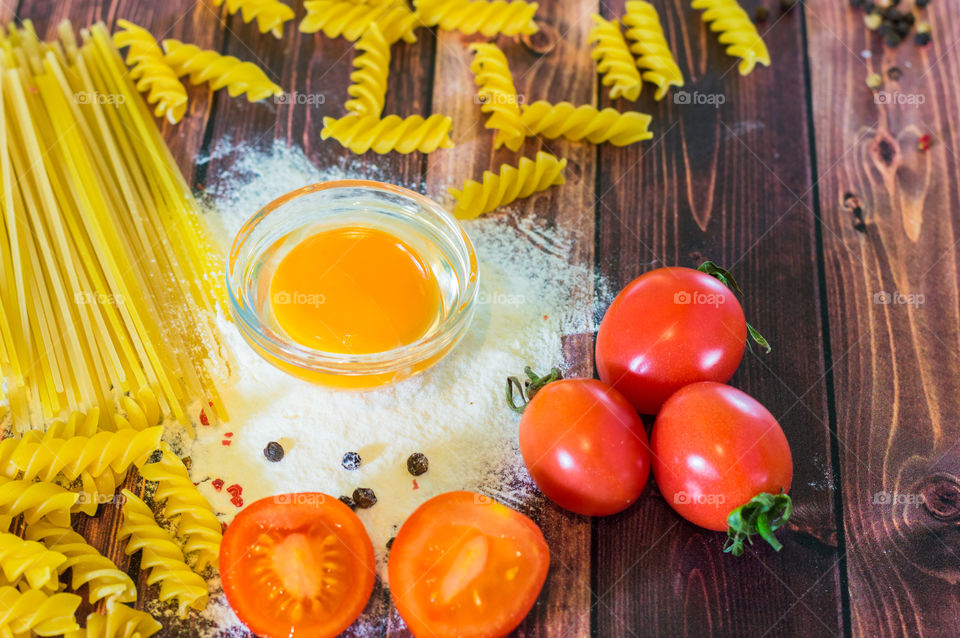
x,y
354,291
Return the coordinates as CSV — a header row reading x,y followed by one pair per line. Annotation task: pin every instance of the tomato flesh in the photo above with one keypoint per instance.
x,y
666,329
585,447
297,564
463,565
714,449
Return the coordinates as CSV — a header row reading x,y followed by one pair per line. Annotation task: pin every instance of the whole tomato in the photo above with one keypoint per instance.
x,y
585,446
668,328
722,462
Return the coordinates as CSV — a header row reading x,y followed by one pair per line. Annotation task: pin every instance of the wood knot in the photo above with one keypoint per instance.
x,y
941,498
543,41
885,150
852,203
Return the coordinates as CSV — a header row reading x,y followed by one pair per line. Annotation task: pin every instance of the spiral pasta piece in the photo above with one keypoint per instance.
x,y
510,184
649,44
270,15
369,89
120,621
497,94
203,65
36,501
151,73
351,19
577,123
361,133
31,562
484,16
87,566
37,612
141,413
614,60
161,555
737,31
197,524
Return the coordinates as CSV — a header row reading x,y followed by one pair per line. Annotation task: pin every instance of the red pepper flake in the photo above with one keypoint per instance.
x,y
545,317
235,490
237,501
416,486
217,484
226,442
925,142
203,418
228,434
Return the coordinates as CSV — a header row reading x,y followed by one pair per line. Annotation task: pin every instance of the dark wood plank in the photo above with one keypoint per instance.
x,y
895,364
560,71
730,184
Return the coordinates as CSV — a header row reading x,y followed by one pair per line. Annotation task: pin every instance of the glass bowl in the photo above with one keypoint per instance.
x,y
422,224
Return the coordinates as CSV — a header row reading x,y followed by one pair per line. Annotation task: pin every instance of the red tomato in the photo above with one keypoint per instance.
x,y
715,448
297,564
585,446
464,565
668,328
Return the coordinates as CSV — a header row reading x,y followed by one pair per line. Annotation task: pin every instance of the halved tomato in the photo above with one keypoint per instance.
x,y
297,565
464,565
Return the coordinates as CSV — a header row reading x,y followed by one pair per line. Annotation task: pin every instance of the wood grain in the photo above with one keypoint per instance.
x,y
726,177
892,292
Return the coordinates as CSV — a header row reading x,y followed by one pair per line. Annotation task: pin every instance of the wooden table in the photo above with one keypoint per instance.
x,y
766,183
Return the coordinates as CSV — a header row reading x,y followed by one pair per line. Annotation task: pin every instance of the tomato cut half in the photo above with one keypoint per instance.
x,y
464,565
297,565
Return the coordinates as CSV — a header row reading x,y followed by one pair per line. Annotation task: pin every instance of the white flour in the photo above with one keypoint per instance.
x,y
454,413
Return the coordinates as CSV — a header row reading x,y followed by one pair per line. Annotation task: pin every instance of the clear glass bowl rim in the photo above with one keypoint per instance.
x,y
447,333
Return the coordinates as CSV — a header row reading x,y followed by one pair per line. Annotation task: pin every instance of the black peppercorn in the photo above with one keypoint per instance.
x,y
390,542
351,461
273,451
417,464
364,497
349,502
892,39
894,73
922,39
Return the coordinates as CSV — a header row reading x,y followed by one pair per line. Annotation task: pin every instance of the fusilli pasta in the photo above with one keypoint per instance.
x,y
219,71
484,16
36,501
37,612
585,122
271,15
614,60
161,555
369,89
87,566
197,524
151,72
644,30
510,184
737,31
361,133
141,412
497,94
31,562
350,19
120,621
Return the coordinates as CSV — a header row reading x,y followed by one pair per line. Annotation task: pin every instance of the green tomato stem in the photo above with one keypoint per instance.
x,y
726,278
762,515
526,389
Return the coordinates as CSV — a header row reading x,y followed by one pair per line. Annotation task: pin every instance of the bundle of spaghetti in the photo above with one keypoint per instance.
x,y
614,59
87,566
197,525
488,17
369,89
270,15
585,122
497,94
644,30
737,31
351,19
109,284
204,65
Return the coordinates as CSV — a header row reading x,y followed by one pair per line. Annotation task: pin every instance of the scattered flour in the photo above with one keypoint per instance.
x,y
530,298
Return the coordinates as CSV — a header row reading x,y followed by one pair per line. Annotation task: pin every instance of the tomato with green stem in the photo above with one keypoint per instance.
x,y
722,462
671,327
